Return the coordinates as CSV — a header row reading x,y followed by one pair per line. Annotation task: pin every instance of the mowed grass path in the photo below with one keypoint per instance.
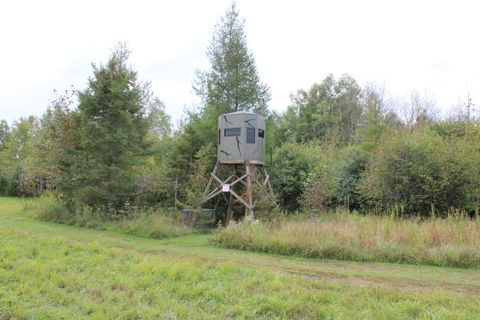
x,y
51,271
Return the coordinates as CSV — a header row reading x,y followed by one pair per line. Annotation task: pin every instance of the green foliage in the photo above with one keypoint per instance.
x,y
149,223
3,185
350,176
112,136
336,145
152,224
329,111
198,179
374,122
155,184
293,164
4,133
160,122
48,207
55,148
16,155
422,172
232,83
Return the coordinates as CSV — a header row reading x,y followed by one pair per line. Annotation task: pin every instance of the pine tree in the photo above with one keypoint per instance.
x,y
232,83
113,128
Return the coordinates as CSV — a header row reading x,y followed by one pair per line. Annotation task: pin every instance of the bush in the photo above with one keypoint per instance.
x,y
350,176
293,164
316,196
3,185
48,207
12,187
420,172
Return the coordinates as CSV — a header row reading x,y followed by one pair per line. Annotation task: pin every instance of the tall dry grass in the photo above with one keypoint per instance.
x,y
452,241
150,223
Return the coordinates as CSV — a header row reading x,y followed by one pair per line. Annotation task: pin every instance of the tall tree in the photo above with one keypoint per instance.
x,y
15,155
420,110
160,122
232,83
4,132
113,129
372,123
327,111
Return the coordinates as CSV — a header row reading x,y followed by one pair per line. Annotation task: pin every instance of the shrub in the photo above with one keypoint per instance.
x,y
293,163
48,207
316,196
421,172
3,185
350,176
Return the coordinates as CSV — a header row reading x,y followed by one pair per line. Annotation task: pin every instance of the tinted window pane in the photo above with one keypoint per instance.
x,y
261,133
250,135
232,132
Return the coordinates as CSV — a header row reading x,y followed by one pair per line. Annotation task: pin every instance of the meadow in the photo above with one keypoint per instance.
x,y
54,271
452,241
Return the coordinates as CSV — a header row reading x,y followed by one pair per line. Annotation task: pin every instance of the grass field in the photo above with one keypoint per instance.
x,y
50,271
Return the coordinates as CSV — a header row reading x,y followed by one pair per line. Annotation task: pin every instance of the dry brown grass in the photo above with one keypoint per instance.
x,y
447,242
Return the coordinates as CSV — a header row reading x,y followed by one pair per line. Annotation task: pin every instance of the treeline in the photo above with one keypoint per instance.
x,y
339,145
111,146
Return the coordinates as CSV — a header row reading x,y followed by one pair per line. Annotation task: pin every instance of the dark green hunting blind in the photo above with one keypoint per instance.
x,y
240,166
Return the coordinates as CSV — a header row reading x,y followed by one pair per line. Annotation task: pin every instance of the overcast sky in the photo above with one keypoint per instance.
x,y
430,46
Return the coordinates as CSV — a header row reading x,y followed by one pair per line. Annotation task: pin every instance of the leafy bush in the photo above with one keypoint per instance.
x,y
293,163
350,176
316,196
421,172
3,185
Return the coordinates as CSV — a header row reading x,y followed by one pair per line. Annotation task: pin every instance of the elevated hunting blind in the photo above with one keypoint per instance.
x,y
241,138
240,166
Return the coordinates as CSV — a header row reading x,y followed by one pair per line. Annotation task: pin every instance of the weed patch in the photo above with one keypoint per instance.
x,y
149,223
452,242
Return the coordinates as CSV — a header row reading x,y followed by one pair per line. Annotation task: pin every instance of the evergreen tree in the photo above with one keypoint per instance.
x,y
113,129
232,83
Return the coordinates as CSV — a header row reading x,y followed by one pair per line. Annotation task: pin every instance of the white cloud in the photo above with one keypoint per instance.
x,y
427,45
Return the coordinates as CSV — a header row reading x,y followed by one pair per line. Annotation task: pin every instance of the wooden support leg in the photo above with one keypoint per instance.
x,y
249,210
269,185
230,209
207,189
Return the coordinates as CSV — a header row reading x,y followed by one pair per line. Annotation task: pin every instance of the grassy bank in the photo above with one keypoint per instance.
x,y
441,242
144,223
54,271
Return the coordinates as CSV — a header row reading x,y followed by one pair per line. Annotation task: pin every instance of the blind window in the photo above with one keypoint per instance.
x,y
251,135
231,132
